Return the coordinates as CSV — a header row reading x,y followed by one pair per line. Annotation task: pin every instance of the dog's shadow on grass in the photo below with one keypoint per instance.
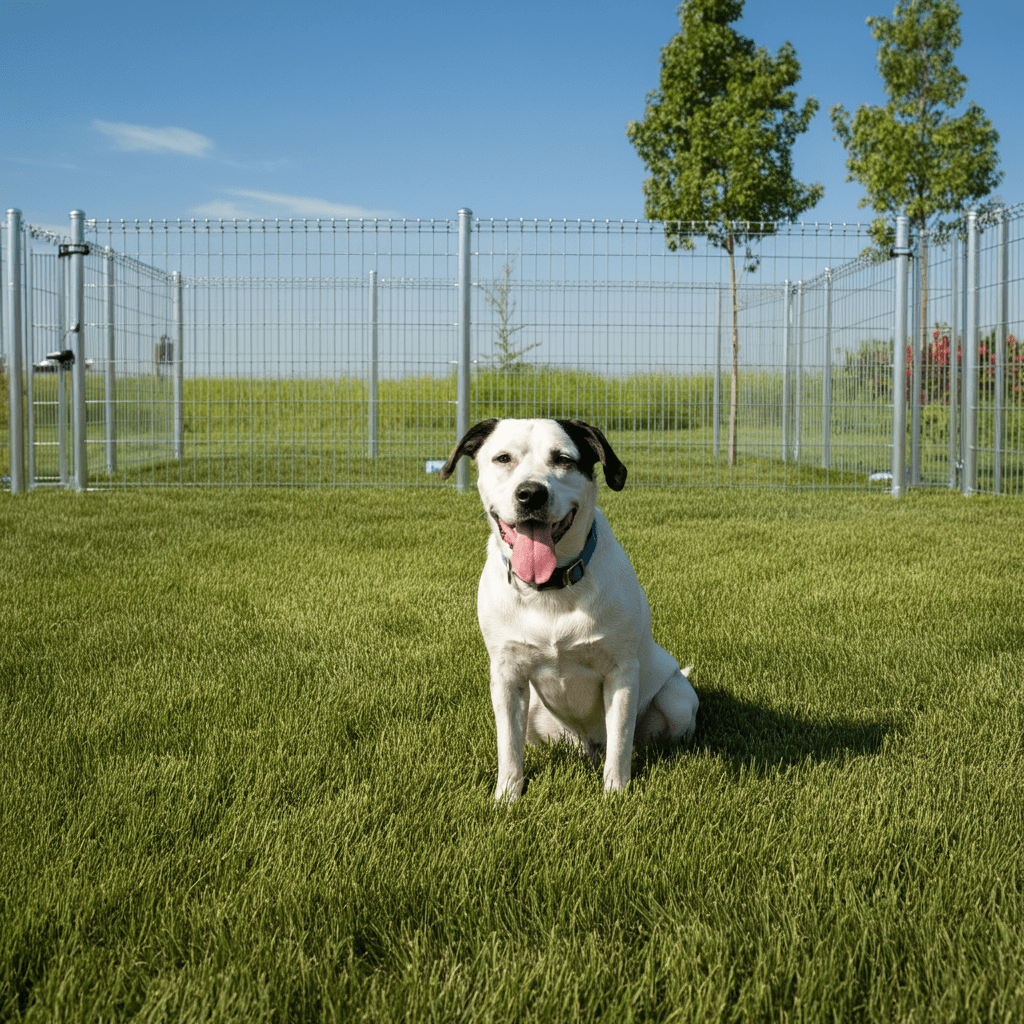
x,y
753,737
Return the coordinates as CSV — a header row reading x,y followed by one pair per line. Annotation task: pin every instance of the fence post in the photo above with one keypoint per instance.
x,y
901,252
916,355
179,365
373,424
12,333
999,337
30,398
465,306
954,367
76,319
799,397
62,373
969,413
110,377
716,398
785,371
826,382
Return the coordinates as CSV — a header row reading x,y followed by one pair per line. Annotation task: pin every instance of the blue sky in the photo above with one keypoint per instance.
x,y
145,110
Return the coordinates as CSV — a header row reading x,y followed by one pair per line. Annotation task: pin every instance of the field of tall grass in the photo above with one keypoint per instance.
x,y
315,431
247,755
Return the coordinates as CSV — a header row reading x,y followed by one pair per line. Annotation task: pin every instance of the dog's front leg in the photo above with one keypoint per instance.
x,y
620,699
510,697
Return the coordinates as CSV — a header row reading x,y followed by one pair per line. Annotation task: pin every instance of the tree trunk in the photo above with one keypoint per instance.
x,y
734,385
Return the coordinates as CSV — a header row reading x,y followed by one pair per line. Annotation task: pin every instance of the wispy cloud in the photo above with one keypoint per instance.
x,y
51,164
277,204
223,209
134,137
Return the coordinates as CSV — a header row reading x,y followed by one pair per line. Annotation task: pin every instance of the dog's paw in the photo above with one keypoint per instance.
x,y
615,787
508,790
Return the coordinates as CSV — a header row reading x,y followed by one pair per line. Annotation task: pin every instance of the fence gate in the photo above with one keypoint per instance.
x,y
132,368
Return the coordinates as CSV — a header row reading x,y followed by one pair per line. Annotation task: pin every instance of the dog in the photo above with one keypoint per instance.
x,y
564,619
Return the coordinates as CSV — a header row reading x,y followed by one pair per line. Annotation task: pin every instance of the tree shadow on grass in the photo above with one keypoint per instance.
x,y
753,737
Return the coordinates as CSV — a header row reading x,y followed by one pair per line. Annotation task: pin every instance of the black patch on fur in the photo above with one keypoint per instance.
x,y
470,444
593,448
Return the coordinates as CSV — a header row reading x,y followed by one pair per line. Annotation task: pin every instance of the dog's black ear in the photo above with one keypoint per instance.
x,y
470,444
594,447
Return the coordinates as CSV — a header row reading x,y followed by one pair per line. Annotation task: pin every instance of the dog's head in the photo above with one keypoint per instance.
x,y
536,480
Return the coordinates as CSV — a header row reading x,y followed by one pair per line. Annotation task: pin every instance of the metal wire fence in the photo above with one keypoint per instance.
x,y
328,352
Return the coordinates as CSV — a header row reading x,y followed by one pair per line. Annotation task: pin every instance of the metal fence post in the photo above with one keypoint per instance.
x,y
716,398
785,370
954,367
110,377
79,420
901,252
179,366
465,306
826,381
62,374
916,355
12,333
999,337
30,398
373,424
799,397
969,413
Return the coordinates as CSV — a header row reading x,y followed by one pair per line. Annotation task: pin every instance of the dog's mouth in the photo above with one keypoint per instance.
x,y
533,545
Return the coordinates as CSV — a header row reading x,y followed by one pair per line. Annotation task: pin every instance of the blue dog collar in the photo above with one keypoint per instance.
x,y
568,576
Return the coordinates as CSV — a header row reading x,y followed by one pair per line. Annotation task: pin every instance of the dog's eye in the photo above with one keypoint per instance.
x,y
564,460
502,458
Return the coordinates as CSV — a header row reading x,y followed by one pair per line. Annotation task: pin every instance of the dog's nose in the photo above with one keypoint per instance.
x,y
531,495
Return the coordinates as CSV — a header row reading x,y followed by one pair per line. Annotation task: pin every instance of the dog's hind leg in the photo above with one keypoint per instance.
x,y
672,714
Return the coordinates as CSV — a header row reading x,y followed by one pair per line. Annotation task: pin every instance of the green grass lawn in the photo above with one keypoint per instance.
x,y
247,753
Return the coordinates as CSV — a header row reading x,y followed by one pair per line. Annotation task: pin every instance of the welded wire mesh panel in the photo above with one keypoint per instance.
x,y
843,323
1000,408
288,328
602,320
933,356
47,393
130,343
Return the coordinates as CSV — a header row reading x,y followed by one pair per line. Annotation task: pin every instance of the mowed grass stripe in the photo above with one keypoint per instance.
x,y
247,756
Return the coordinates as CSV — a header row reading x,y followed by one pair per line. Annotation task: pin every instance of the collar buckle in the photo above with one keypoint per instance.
x,y
572,574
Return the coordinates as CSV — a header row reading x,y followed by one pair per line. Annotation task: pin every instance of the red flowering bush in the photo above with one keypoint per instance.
x,y
871,367
1014,381
934,369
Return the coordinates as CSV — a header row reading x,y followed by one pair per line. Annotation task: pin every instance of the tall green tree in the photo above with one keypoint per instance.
x,y
913,156
717,138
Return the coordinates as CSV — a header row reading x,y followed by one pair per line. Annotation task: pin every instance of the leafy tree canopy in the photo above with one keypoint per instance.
x,y
717,135
912,156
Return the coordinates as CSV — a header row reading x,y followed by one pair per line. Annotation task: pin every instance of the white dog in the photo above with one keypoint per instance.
x,y
565,622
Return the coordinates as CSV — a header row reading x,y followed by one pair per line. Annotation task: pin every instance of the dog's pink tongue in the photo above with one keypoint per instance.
x,y
533,553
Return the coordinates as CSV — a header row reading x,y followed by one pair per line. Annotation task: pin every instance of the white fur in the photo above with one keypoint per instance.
x,y
578,662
